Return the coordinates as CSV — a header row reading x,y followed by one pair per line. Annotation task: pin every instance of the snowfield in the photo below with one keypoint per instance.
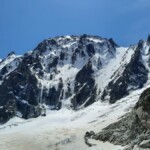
x,y
65,129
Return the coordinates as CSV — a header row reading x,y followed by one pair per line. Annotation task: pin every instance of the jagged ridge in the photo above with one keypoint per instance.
x,y
70,71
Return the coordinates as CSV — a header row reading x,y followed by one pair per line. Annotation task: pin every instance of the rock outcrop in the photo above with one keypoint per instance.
x,y
134,76
133,129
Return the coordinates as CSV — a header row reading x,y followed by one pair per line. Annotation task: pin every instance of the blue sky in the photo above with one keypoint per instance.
x,y
25,23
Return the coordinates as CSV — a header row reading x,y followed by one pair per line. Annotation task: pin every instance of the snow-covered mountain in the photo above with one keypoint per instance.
x,y
91,81
72,72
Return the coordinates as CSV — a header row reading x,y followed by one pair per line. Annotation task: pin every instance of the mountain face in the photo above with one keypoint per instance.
x,y
71,72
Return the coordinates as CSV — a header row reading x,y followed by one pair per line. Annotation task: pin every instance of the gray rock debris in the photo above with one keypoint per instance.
x,y
133,129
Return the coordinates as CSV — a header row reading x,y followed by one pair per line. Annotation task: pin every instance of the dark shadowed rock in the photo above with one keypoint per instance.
x,y
148,39
113,42
11,53
90,50
85,90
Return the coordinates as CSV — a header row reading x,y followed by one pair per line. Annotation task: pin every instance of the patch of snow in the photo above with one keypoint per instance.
x,y
8,60
96,40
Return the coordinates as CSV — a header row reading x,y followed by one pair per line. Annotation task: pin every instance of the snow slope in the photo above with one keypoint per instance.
x,y
115,67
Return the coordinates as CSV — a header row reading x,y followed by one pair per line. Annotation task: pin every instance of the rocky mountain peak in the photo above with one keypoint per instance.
x,y
71,71
148,38
11,53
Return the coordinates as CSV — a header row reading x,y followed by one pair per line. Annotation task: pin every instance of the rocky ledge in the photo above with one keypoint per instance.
x,y
132,130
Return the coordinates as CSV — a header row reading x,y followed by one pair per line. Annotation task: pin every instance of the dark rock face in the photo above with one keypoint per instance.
x,y
8,109
11,53
85,90
41,47
90,49
148,39
54,96
113,42
134,76
54,63
23,90
133,129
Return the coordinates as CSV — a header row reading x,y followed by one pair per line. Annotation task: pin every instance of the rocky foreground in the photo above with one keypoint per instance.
x,y
132,130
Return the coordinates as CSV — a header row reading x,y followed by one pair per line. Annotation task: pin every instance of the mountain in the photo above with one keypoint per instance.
x,y
81,84
72,72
